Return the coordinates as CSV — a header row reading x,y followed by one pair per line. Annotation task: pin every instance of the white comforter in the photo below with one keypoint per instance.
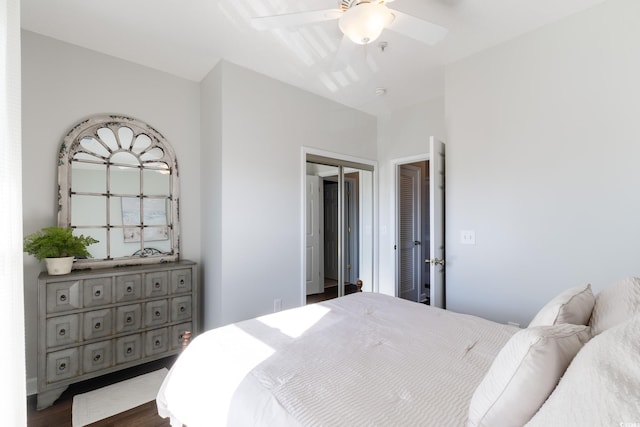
x,y
364,359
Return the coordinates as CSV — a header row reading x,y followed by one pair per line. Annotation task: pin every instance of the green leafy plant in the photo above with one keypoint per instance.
x,y
57,242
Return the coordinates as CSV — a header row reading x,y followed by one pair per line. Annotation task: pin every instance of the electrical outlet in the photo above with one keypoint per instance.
x,y
277,305
468,237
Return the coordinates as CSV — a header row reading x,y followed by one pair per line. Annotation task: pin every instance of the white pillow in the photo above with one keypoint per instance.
x,y
524,373
601,387
616,304
571,306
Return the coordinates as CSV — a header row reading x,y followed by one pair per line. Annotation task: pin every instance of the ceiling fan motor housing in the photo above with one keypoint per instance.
x,y
348,4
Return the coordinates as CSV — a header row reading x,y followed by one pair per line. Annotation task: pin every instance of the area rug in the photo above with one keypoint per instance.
x,y
116,398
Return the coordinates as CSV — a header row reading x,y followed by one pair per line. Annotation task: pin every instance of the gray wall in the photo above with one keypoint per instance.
x,y
402,135
264,124
61,84
542,162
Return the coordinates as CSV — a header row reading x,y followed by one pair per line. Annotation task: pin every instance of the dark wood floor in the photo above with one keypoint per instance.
x,y
330,292
59,414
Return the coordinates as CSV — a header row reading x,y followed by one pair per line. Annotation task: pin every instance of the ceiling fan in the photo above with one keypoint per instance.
x,y
361,21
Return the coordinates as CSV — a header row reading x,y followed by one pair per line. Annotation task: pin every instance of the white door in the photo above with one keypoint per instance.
x,y
350,231
331,230
436,222
315,281
409,233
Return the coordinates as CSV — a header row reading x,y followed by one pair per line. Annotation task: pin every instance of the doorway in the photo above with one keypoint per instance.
x,y
419,199
339,227
413,231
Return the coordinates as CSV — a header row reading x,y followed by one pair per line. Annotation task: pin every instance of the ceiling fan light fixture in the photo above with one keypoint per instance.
x,y
364,22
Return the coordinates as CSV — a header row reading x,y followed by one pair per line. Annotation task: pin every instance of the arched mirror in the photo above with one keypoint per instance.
x,y
118,183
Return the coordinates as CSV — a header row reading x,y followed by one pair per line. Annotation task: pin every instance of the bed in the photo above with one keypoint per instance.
x,y
371,359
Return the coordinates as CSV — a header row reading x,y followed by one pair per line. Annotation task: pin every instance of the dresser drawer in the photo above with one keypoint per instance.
x,y
156,341
128,318
177,333
97,356
156,284
128,288
63,296
181,281
97,291
128,348
181,308
156,313
98,324
63,330
62,365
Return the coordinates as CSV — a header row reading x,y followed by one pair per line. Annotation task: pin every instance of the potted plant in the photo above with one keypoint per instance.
x,y
58,247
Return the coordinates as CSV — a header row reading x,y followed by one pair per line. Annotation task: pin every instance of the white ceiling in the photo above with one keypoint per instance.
x,y
188,37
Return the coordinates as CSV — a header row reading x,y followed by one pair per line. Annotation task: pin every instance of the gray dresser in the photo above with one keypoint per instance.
x,y
92,322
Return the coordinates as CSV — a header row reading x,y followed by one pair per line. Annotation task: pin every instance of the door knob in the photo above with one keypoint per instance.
x,y
416,242
435,261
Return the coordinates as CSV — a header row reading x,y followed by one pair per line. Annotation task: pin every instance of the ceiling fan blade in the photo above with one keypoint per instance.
x,y
416,28
294,19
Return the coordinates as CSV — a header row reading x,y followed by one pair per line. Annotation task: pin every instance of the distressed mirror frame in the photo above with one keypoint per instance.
x,y
71,147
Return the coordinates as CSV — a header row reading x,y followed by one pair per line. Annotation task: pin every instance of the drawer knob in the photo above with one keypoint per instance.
x,y
157,313
157,285
129,350
62,366
129,319
182,309
129,289
62,332
63,297
97,325
97,293
96,358
182,281
157,343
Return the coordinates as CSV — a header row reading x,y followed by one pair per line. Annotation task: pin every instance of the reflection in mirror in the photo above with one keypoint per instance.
x,y
124,158
89,178
152,154
88,210
124,180
125,136
156,182
141,143
108,138
119,184
339,227
92,145
97,250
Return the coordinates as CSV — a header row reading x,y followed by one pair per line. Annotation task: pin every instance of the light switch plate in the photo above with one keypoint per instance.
x,y
468,237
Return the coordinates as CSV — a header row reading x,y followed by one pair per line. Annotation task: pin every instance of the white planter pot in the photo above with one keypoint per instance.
x,y
57,266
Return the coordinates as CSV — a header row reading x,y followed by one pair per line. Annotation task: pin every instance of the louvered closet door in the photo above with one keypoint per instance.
x,y
409,232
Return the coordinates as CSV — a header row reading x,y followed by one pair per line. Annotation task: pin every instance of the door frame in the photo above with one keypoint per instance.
x,y
371,287
396,163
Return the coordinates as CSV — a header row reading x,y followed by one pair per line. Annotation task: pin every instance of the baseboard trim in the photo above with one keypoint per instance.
x,y
32,386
